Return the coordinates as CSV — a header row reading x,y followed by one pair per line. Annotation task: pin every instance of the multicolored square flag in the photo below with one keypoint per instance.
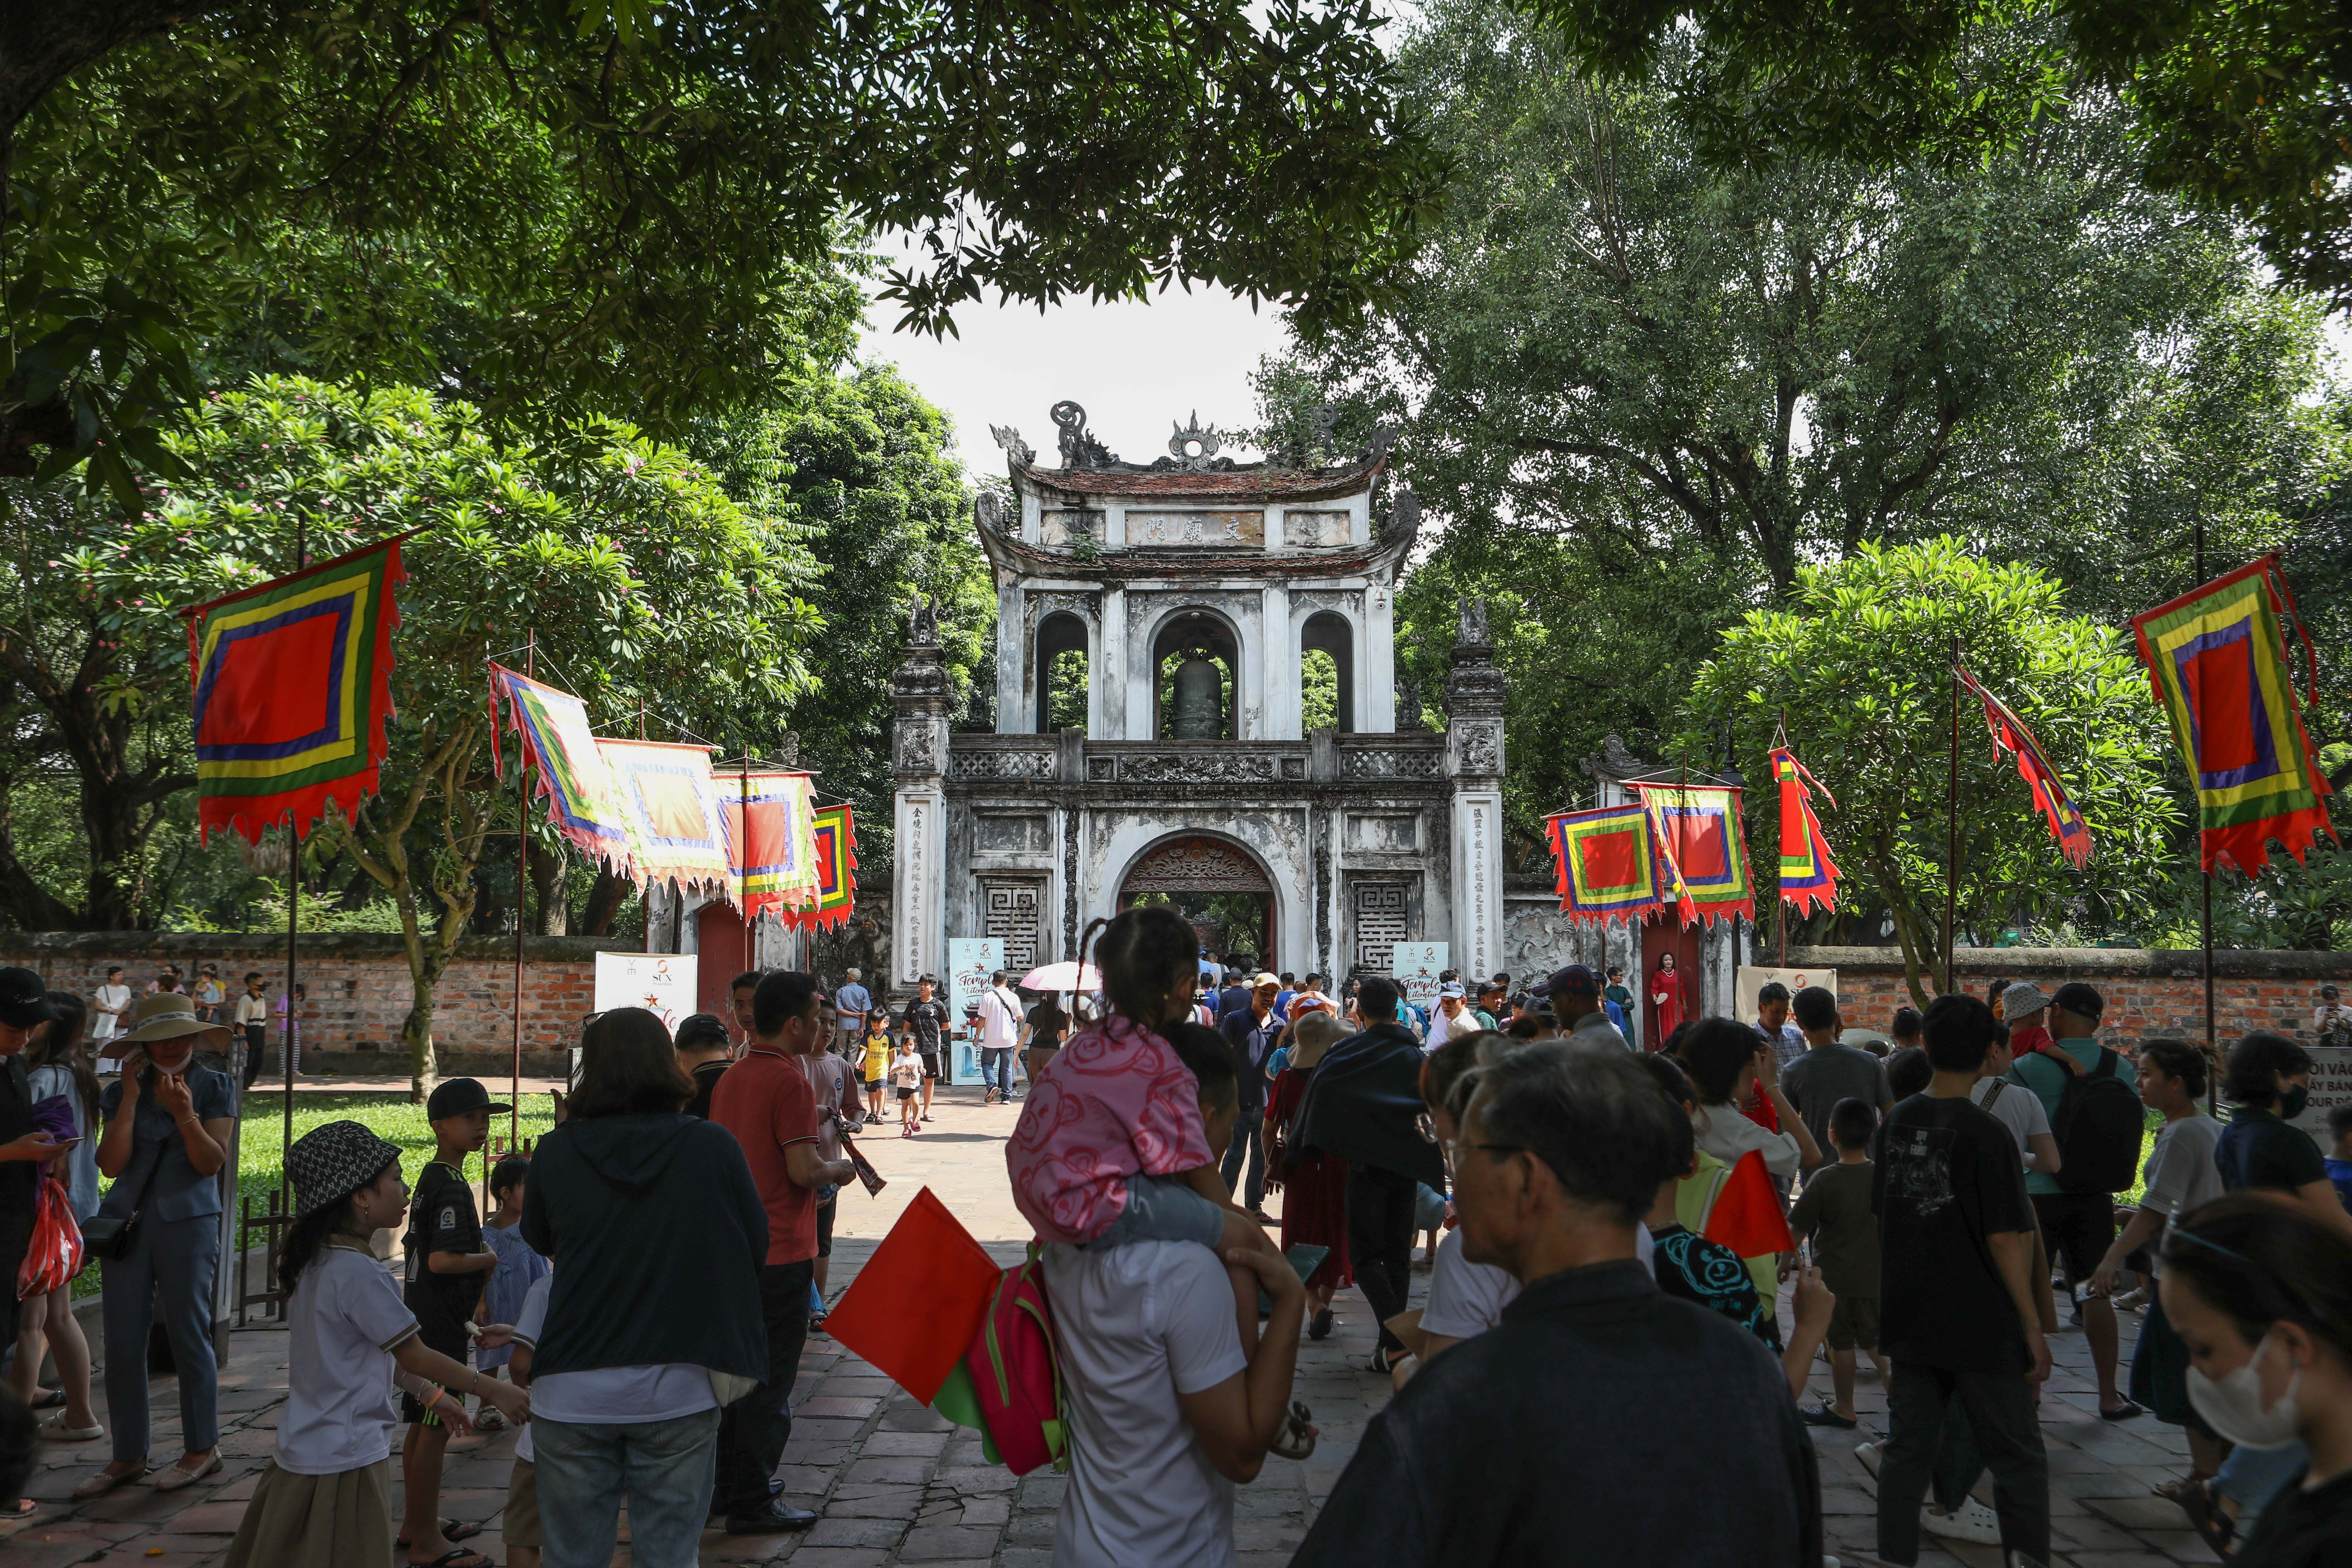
x,y
1808,876
2009,734
1700,825
584,803
677,827
1611,864
293,685
772,827
836,867
2218,659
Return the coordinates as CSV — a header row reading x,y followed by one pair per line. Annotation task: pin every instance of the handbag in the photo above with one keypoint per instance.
x,y
111,1236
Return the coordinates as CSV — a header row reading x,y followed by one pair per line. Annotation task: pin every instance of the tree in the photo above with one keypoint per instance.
x,y
2239,104
564,210
1860,658
635,572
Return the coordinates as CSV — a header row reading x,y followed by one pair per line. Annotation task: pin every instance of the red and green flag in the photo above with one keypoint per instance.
x,y
293,686
678,825
1611,864
835,840
2050,797
1808,876
1699,826
771,825
2217,656
584,801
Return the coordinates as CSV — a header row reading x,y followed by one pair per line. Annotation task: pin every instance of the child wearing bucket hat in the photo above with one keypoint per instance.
x,y
325,1499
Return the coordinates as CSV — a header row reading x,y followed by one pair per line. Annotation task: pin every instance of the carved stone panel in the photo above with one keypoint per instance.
x,y
998,833
1197,767
1382,915
985,766
1196,866
1308,530
1382,831
1202,529
1389,765
1010,907
1060,528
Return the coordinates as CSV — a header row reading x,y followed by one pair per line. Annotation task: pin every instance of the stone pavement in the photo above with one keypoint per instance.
x,y
896,1484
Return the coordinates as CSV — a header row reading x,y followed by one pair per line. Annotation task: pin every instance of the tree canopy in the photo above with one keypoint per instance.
x,y
2239,104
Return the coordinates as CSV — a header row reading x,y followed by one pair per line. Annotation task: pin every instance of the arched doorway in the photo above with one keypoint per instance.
x,y
1196,633
1212,882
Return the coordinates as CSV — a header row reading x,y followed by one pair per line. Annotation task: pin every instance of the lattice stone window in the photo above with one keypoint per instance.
x,y
1011,909
1380,923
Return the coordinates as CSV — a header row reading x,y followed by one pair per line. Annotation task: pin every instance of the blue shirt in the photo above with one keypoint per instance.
x,y
1616,1015
161,1181
853,998
2340,1172
2048,1081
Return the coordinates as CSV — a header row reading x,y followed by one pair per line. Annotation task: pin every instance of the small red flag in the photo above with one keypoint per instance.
x,y
918,1301
1746,1216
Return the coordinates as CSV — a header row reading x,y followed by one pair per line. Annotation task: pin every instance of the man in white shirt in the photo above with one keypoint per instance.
x,y
109,1002
1167,1408
999,1031
1452,1004
252,1019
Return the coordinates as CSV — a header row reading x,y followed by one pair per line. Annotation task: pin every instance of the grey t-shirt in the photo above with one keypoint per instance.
x,y
1824,1075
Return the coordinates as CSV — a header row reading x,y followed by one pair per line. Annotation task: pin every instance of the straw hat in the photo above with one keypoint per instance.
x,y
164,1016
1312,1036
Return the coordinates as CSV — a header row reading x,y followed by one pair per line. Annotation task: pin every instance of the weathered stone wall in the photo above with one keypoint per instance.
x,y
360,990
2150,994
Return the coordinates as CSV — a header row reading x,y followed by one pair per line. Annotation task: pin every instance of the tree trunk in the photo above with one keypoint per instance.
x,y
606,901
416,1038
550,906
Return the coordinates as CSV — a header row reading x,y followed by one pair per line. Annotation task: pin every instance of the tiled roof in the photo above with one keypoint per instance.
x,y
1254,483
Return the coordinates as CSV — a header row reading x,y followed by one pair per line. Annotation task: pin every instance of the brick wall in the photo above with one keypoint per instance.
x,y
2149,995
360,990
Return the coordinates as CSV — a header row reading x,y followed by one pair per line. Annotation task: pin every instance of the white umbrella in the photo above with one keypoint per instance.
x,y
1068,975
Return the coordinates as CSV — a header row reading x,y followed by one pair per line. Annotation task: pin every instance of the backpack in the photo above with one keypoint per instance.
x,y
1014,1373
2098,1124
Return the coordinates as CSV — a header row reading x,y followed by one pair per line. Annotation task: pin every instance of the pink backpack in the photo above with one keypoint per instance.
x,y
1014,1373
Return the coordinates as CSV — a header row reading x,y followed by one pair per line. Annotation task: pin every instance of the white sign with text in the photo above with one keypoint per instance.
x,y
1753,978
971,961
661,982
1416,966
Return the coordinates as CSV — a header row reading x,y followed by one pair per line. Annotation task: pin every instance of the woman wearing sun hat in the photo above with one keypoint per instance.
x,y
168,1119
325,1499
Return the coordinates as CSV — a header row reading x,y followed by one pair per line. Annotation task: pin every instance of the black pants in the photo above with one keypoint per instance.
x,y
753,1430
2001,1419
1380,1242
253,1049
1249,1141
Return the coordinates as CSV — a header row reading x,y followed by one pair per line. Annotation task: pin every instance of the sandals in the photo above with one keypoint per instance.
x,y
1822,1416
2124,1412
1380,1365
47,1399
1320,1328
1296,1440
2216,1528
451,1530
459,1557
25,1508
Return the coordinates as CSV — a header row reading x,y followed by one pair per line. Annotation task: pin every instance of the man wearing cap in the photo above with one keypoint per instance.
x,y
1575,998
2077,1227
1251,1031
1452,1016
2331,1020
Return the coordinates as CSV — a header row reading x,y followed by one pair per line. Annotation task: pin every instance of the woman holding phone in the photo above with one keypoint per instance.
x,y
168,1121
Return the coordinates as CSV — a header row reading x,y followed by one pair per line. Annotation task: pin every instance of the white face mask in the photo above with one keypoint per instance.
x,y
2233,1405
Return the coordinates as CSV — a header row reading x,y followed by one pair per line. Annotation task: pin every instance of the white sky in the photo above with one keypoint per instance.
x,y
1138,367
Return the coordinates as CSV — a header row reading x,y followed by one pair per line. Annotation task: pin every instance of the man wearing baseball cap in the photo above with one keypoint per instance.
x,y
1452,1018
1576,1002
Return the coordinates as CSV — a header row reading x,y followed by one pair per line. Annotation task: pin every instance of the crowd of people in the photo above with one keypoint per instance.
x,y
638,1296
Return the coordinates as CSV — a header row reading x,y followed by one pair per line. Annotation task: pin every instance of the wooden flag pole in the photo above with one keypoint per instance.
x,y
1952,827
743,878
522,879
1780,896
2205,902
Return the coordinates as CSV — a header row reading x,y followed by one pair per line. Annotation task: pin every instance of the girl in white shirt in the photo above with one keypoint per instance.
x,y
325,1499
1725,1058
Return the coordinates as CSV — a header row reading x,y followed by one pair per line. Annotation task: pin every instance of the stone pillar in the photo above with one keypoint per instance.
x,y
1017,699
918,755
1474,761
1279,664
1107,673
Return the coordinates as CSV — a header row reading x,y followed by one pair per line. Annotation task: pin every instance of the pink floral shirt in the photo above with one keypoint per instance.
x,y
1115,1102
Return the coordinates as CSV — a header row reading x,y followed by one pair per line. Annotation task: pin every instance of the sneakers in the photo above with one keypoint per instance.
x,y
1868,1453
1972,1521
778,1518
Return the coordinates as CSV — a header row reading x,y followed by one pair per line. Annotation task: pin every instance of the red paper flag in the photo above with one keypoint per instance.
x,y
918,1301
1746,1216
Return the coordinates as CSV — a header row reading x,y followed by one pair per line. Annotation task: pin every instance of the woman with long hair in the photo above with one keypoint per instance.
x,y
60,1070
1314,1184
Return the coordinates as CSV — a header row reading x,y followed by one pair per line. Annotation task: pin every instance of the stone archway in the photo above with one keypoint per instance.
x,y
1206,872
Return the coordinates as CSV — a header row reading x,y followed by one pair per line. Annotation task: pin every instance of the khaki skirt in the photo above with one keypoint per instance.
x,y
316,1521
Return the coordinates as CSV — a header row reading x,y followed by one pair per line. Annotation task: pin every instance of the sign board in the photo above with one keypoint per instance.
x,y
2331,1086
971,961
661,982
1416,966
1753,978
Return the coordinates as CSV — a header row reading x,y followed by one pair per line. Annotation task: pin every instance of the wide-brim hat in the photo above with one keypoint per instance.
x,y
163,1016
329,1163
2023,1000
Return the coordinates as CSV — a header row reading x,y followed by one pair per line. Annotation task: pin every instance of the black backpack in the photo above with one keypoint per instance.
x,y
2099,1124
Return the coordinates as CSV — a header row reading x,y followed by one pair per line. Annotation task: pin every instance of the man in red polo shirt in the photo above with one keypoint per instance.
x,y
766,1101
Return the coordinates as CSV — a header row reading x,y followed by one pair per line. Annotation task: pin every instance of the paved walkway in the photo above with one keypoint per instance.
x,y
896,1484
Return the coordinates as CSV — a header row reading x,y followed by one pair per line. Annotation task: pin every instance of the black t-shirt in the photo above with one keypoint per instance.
x,y
2258,1150
925,1019
2303,1529
1047,1024
442,1218
706,1076
1945,1177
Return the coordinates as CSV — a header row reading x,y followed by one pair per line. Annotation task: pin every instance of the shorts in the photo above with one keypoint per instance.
x,y
906,1094
1853,1323
438,1328
873,1086
520,1525
824,1213
930,1063
2078,1228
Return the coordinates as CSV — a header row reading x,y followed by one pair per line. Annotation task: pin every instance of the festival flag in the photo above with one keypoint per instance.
x,y
678,827
293,684
915,1308
837,868
1699,826
2218,660
583,802
2009,734
772,829
1611,865
1746,1216
1808,876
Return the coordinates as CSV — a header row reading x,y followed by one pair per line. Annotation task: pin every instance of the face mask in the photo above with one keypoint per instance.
x,y
2233,1405
2292,1103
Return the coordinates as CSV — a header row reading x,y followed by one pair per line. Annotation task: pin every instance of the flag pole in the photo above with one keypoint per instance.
x,y
1781,897
2205,896
522,879
286,1036
1952,827
743,877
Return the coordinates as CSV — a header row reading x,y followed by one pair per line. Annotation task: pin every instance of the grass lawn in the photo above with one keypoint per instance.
x,y
388,1115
